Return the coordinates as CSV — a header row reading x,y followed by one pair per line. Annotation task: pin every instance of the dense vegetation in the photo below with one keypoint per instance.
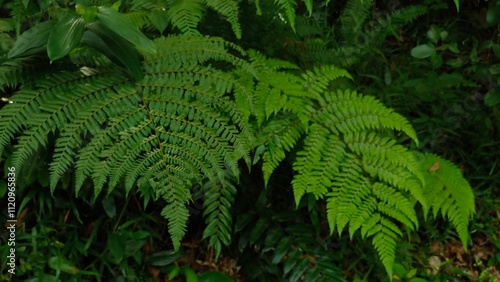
x,y
235,140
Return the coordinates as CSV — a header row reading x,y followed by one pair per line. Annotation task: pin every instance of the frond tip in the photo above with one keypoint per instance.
x,y
448,191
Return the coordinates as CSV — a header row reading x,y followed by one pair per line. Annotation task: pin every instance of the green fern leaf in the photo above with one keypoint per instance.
x,y
317,163
288,6
384,241
349,111
218,200
186,15
383,149
177,214
447,191
229,9
281,135
353,18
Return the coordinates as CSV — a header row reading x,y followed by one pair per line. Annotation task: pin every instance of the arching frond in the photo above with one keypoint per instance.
x,y
178,126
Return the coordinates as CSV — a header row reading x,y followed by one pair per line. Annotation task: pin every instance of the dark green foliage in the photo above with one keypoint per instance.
x,y
189,110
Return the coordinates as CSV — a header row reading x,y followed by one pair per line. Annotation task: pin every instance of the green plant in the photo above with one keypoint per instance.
x,y
190,113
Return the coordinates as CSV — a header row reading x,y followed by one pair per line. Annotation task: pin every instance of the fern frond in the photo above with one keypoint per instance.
x,y
88,57
396,176
186,15
88,120
407,15
138,18
176,127
219,197
317,163
372,146
229,9
280,136
177,215
353,18
288,6
384,241
17,71
53,110
448,192
349,111
348,191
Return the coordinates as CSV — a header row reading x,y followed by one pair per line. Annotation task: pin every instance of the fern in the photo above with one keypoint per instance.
x,y
350,158
219,197
448,193
172,129
185,14
17,72
288,8
188,122
228,9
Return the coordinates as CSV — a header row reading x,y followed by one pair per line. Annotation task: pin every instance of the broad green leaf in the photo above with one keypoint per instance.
x,y
433,34
418,280
422,51
299,270
214,276
32,41
65,36
457,4
259,228
191,275
116,6
492,98
61,264
411,273
174,272
281,249
114,47
121,25
399,270
291,260
140,235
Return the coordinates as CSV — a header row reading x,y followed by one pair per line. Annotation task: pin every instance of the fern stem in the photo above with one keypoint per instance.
x,y
121,215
